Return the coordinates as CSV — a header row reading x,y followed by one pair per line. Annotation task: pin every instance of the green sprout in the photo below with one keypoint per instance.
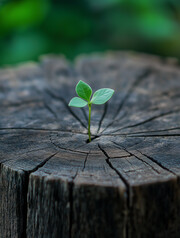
x,y
84,92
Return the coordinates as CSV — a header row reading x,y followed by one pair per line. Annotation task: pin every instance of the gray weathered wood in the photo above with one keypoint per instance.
x,y
125,183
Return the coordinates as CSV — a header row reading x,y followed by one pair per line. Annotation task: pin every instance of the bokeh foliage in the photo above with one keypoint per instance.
x,y
29,28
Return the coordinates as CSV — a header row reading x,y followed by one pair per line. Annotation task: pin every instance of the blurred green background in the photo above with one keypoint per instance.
x,y
29,28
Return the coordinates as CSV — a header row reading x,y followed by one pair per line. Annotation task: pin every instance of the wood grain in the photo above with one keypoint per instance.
x,y
125,183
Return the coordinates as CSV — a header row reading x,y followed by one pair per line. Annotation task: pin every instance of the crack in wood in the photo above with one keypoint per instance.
x,y
84,166
84,113
136,83
142,132
112,167
16,157
41,129
150,119
52,95
41,164
132,154
143,135
62,148
112,122
146,72
120,157
71,199
103,116
25,192
155,161
25,209
123,179
157,135
50,110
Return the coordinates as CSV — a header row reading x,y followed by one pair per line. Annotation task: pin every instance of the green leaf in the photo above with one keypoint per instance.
x,y
77,102
101,96
83,90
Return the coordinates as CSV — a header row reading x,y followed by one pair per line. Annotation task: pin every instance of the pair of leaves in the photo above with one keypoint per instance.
x,y
84,92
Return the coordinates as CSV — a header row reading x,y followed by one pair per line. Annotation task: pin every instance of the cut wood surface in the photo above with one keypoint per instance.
x,y
125,183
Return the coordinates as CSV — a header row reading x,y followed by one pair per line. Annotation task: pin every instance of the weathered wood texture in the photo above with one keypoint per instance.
x,y
124,184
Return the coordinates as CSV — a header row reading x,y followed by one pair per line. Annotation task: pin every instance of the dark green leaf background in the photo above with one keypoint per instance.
x,y
29,28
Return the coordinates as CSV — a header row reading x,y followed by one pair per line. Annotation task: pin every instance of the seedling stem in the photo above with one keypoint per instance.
x,y
89,122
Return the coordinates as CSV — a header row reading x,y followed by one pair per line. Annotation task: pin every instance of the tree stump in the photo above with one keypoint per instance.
x,y
125,183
